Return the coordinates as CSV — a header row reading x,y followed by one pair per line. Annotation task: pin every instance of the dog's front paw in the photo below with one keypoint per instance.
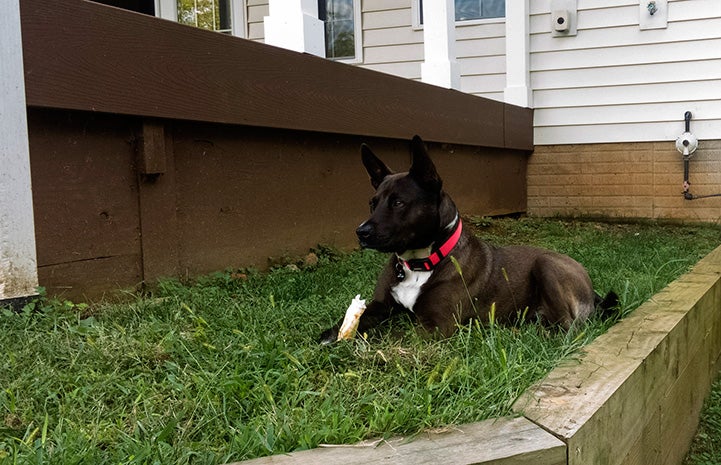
x,y
329,336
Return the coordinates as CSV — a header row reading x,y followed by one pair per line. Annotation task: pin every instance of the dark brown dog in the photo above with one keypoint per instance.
x,y
415,220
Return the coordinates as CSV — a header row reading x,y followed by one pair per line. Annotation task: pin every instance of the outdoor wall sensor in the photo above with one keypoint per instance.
x,y
564,18
560,21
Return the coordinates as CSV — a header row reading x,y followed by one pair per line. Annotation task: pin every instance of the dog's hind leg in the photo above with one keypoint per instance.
x,y
564,290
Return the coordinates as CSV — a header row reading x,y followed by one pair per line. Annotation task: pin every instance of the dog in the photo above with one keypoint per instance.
x,y
444,275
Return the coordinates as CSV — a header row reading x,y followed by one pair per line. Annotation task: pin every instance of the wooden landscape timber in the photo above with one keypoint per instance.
x,y
631,397
505,441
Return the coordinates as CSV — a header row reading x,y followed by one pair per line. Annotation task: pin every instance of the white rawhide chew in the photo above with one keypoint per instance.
x,y
352,317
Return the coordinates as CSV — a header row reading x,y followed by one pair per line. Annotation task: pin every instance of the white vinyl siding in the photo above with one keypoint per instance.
x,y
481,55
614,82
390,44
257,10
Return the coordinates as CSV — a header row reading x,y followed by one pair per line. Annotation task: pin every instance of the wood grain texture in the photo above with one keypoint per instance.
x,y
86,56
504,441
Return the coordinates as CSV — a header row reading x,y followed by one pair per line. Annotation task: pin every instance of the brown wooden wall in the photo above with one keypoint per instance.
x,y
163,150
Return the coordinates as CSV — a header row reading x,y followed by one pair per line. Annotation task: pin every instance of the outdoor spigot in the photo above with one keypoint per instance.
x,y
687,142
652,8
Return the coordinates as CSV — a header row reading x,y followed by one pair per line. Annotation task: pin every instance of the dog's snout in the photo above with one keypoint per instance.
x,y
364,231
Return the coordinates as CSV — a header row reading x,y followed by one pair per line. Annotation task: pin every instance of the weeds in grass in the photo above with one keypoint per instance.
x,y
228,368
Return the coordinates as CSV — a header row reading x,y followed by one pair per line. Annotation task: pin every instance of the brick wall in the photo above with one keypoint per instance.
x,y
635,180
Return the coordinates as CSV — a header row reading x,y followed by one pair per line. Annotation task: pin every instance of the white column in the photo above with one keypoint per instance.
x,y
439,44
294,24
18,263
518,44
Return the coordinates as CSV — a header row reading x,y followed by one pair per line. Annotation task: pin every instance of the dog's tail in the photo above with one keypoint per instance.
x,y
607,306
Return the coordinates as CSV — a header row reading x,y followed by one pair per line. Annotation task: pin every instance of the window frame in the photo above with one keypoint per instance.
x,y
418,26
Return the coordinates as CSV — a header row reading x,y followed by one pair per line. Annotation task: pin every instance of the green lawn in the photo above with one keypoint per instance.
x,y
227,367
706,447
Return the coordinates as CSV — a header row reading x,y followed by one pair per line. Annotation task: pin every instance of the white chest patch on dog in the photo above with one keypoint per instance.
x,y
407,291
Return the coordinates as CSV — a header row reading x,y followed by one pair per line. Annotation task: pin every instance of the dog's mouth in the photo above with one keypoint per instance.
x,y
367,244
369,237
375,243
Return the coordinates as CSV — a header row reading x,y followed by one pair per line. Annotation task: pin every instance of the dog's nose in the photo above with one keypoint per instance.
x,y
364,232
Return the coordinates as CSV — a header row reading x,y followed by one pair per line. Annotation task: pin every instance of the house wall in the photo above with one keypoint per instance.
x,y
609,104
614,82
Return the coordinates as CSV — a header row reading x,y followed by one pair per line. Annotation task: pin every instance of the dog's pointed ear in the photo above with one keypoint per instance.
x,y
422,169
377,170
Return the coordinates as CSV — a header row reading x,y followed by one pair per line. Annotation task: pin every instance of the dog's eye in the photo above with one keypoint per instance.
x,y
397,203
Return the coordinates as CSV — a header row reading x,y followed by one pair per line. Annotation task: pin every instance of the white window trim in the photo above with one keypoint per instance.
x,y
357,35
417,26
168,9
237,19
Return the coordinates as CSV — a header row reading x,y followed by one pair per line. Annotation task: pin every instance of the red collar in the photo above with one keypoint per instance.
x,y
437,254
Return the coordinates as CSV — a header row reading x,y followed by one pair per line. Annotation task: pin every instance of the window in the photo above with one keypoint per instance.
x,y
214,15
226,16
467,10
342,24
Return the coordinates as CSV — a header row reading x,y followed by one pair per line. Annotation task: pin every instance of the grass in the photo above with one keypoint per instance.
x,y
706,447
227,367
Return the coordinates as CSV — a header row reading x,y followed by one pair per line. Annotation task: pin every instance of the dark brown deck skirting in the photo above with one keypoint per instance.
x,y
82,55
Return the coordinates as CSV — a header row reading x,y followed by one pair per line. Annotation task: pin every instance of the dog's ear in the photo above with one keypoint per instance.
x,y
377,170
422,169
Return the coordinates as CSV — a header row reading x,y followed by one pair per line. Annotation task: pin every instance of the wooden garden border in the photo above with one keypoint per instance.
x,y
632,397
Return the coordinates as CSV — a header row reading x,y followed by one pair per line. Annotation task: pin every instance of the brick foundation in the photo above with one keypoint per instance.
x,y
634,180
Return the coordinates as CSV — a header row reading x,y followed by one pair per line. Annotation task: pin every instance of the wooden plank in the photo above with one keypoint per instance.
x,y
158,207
517,123
116,61
505,441
84,186
86,280
151,150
